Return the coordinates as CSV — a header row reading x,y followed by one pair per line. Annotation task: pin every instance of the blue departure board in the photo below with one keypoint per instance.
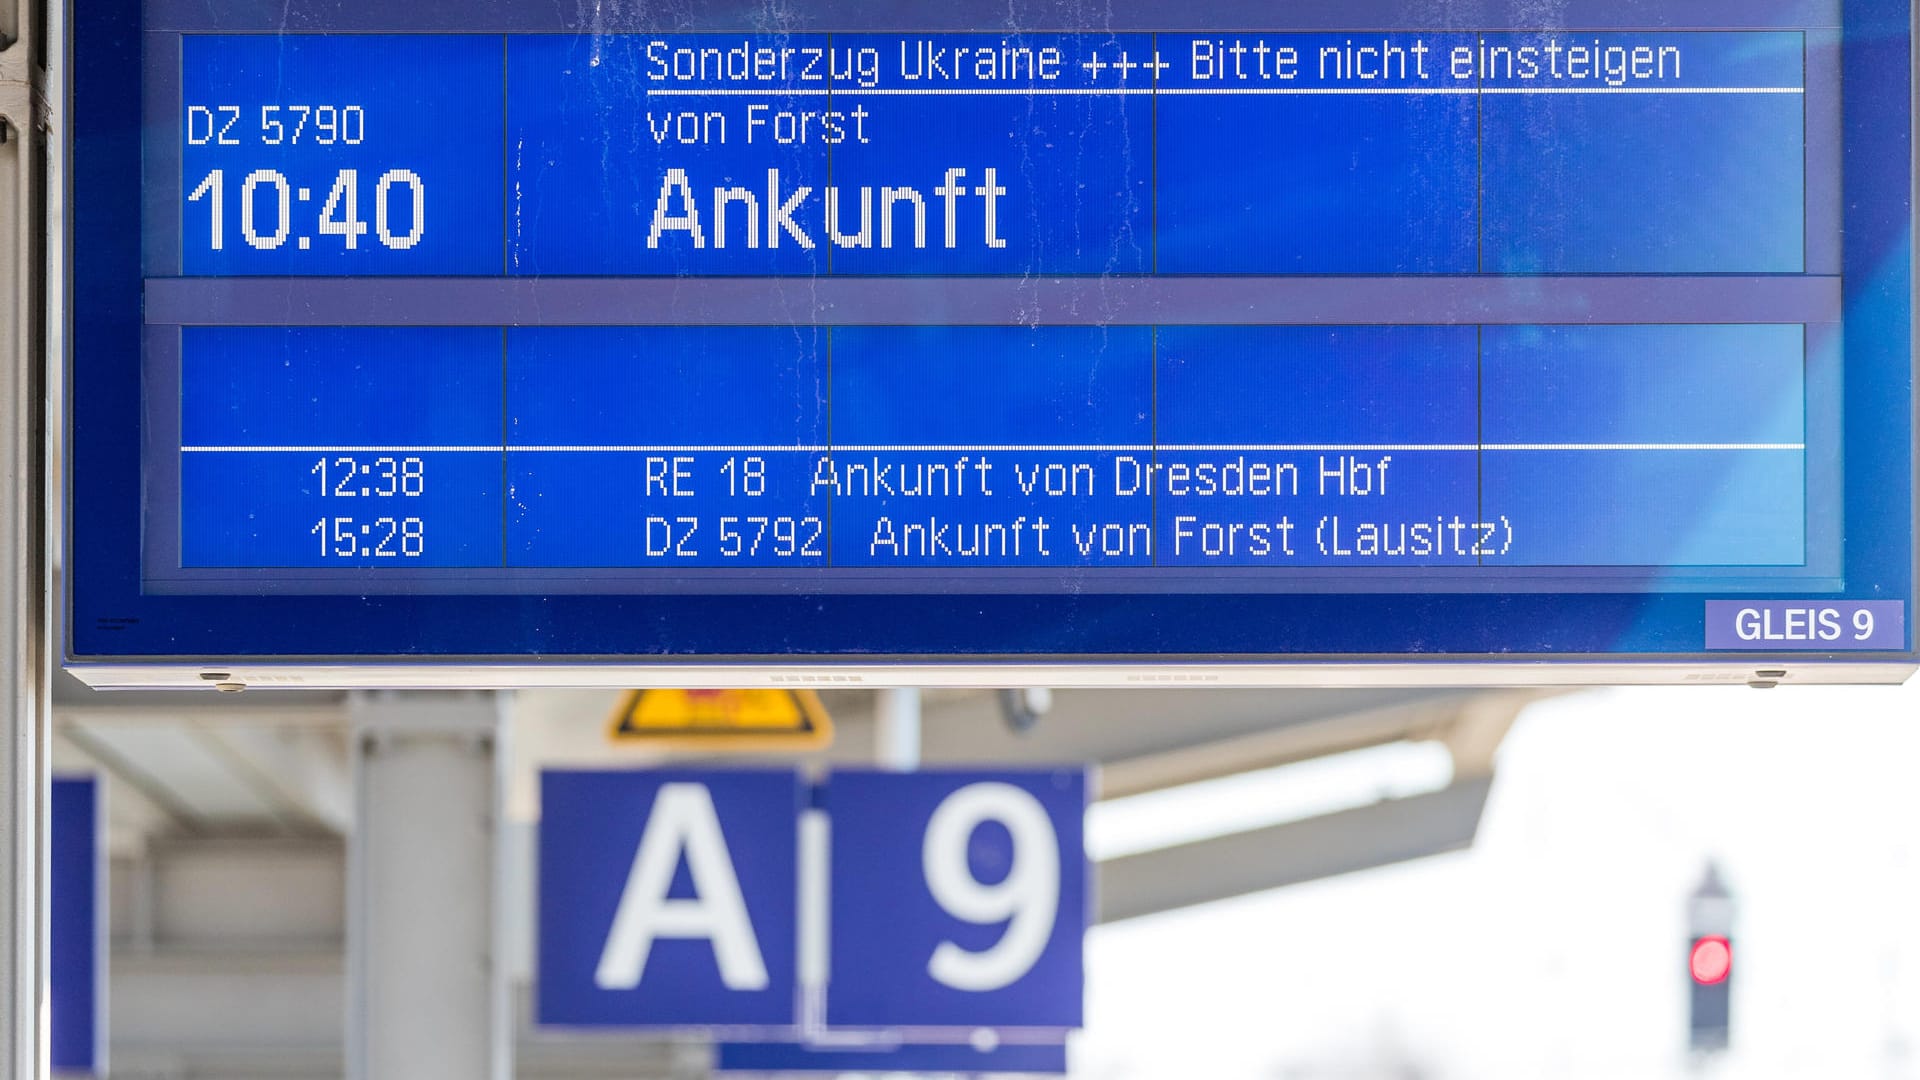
x,y
500,333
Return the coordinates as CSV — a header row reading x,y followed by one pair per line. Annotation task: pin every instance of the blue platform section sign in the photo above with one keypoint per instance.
x,y
666,898
76,878
876,902
959,899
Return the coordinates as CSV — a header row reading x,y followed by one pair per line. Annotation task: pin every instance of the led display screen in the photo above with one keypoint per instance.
x,y
960,333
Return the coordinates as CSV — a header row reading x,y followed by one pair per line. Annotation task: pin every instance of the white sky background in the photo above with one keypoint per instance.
x,y
1556,947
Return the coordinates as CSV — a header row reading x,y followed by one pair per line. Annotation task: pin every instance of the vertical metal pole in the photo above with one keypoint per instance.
x,y
897,730
24,673
427,984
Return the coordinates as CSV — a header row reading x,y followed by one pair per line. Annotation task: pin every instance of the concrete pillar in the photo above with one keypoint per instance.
x,y
427,994
897,730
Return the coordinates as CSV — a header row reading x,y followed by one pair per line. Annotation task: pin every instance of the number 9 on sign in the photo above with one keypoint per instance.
x,y
958,898
1027,899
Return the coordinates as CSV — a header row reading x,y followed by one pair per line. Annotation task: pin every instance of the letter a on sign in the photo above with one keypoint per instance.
x,y
666,898
683,825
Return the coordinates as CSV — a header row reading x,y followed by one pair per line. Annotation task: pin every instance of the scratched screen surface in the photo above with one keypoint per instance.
x,y
1421,301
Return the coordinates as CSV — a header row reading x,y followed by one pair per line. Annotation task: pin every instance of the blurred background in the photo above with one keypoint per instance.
x,y
1291,885
1557,945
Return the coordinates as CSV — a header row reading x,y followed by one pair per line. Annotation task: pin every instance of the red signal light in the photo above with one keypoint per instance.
x,y
1711,960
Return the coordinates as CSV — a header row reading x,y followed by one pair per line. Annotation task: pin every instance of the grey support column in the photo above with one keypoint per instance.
x,y
897,729
24,670
426,980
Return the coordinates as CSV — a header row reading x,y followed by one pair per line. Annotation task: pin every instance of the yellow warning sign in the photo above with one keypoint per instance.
x,y
746,721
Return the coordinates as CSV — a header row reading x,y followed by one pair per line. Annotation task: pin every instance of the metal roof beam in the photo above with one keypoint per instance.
x,y
1388,832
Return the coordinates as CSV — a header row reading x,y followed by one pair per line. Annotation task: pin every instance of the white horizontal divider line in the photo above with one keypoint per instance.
x,y
1209,91
1282,448
1645,446
384,449
1644,90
